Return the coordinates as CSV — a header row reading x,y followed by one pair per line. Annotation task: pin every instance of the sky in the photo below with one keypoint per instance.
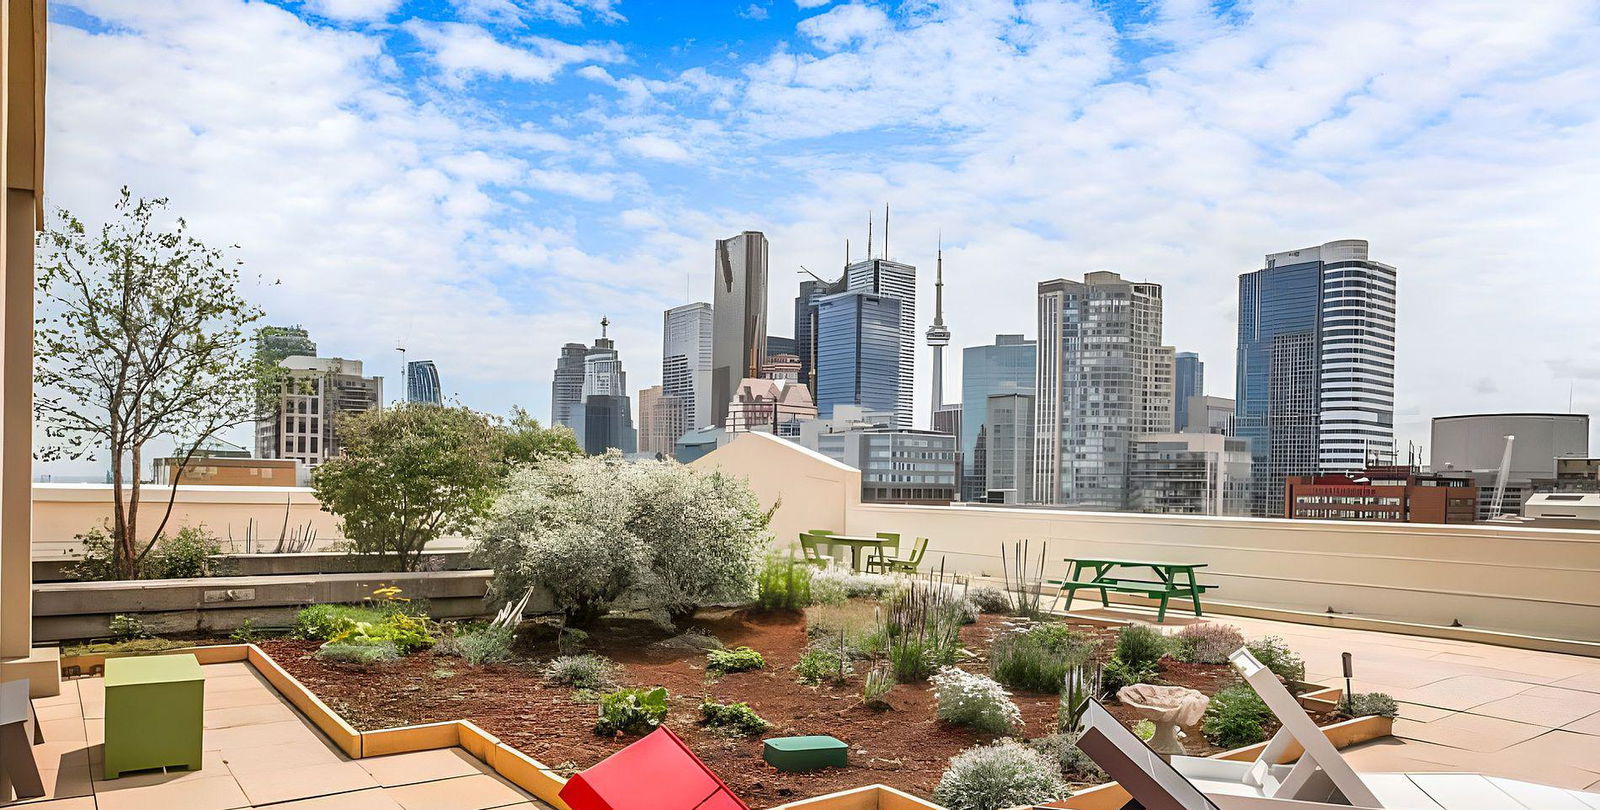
x,y
481,181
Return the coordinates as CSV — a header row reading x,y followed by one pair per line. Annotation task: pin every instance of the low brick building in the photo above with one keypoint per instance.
x,y
1396,494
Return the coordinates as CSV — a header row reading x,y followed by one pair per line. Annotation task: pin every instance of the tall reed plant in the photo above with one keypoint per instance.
x,y
921,626
783,584
1024,578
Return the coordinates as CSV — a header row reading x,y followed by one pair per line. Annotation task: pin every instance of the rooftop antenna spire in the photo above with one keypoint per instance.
x,y
869,235
847,251
885,230
938,284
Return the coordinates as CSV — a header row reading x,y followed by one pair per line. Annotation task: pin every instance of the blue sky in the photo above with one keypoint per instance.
x,y
482,180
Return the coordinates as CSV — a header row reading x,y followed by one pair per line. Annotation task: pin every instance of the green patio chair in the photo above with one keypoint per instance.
x,y
887,550
897,565
810,552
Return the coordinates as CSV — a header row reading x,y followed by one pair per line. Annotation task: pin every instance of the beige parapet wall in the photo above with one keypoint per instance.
x,y
1539,583
61,512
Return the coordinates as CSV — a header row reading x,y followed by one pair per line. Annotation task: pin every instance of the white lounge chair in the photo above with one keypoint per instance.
x,y
1322,774
1156,784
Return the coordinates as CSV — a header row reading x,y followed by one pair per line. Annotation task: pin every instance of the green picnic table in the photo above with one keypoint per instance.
x,y
1169,579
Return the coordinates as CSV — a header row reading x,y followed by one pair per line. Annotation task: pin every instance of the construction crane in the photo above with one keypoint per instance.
x,y
1499,498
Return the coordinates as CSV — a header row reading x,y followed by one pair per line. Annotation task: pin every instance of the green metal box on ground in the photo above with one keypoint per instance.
x,y
805,753
155,713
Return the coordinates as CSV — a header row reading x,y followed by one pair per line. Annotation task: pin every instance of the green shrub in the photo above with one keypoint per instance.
x,y
246,632
126,627
631,711
586,671
1207,643
823,666
1039,658
357,652
1118,674
783,584
876,686
1140,646
184,555
734,717
323,622
733,659
1062,748
487,644
972,700
1236,717
1274,654
1003,774
1369,704
408,633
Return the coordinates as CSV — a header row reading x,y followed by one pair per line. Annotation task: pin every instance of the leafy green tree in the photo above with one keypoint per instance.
x,y
409,475
527,441
141,334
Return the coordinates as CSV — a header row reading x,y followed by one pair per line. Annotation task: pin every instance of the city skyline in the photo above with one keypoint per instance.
x,y
530,214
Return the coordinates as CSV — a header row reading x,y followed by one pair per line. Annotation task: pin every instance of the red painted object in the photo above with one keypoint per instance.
x,y
658,772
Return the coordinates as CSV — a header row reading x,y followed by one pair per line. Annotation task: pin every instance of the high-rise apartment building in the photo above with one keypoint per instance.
x,y
1316,360
859,337
1190,474
1003,367
422,383
1103,379
661,422
1188,380
1007,463
566,390
686,362
739,310
890,279
315,391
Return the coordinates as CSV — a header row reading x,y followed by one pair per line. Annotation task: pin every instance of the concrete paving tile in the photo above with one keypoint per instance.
x,y
303,782
422,766
1422,714
1555,750
1588,725
479,792
228,699
67,697
214,793
1461,692
78,803
1586,681
256,715
236,683
60,711
374,799
1543,705
288,732
270,757
68,729
1469,731
211,767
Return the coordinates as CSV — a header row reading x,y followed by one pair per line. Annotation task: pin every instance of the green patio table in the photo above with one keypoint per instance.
x,y
857,543
1171,579
155,713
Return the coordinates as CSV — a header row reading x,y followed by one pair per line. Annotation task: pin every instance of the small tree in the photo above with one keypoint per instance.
x,y
409,475
528,442
141,334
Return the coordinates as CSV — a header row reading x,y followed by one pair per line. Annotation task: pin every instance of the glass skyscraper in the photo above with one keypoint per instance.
x,y
686,362
739,312
422,383
1004,367
1315,382
1188,379
858,352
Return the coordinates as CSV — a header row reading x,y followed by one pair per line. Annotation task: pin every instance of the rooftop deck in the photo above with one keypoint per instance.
x,y
1464,706
259,752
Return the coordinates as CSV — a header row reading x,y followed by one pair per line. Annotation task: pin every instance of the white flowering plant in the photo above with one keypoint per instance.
x,y
835,586
973,700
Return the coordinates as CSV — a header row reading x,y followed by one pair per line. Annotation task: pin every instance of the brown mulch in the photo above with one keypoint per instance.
x,y
904,747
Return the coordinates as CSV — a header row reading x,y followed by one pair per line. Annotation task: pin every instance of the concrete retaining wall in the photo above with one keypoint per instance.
x,y
310,562
79,610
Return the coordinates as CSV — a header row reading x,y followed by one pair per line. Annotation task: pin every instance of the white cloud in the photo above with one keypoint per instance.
x,y
583,185
844,25
517,12
353,10
656,147
811,3
463,51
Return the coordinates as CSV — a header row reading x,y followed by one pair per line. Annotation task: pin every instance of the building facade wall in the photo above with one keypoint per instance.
x,y
1189,380
1006,366
1008,446
739,312
895,280
566,389
858,360
686,360
422,383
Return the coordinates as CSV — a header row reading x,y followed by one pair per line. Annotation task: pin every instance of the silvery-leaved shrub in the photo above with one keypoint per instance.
x,y
1005,773
989,599
834,586
973,700
602,531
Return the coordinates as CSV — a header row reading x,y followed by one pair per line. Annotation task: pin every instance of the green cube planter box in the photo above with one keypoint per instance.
x,y
805,753
155,707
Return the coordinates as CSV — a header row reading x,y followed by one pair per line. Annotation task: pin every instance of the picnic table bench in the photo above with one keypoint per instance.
x,y
1170,579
